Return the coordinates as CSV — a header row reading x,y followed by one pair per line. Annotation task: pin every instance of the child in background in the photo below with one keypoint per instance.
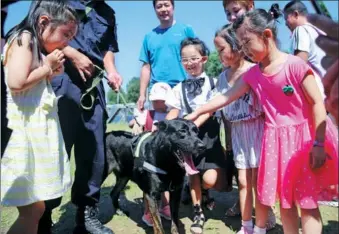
x,y
246,115
299,158
236,8
35,165
185,98
146,120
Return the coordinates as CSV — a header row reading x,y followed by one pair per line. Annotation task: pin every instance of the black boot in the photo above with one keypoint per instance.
x,y
45,223
88,223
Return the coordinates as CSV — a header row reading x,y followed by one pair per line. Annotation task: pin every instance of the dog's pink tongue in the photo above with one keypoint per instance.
x,y
189,165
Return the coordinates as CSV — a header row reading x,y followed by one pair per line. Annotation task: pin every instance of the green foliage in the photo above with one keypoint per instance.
x,y
213,66
112,97
324,9
131,95
133,90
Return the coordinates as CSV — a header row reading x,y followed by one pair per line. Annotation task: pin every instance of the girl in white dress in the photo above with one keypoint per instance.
x,y
247,121
35,166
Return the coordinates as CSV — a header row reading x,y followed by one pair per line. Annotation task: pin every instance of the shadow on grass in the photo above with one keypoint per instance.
x,y
331,227
135,209
66,222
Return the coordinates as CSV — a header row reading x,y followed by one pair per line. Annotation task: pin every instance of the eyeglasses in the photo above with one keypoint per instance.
x,y
190,60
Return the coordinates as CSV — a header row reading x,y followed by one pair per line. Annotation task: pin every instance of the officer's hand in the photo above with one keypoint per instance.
x,y
84,65
114,81
141,102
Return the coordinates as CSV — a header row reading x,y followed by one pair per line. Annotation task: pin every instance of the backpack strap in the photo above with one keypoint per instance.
x,y
187,106
211,82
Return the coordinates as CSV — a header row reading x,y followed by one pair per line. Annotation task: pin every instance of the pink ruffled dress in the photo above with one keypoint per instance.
x,y
284,171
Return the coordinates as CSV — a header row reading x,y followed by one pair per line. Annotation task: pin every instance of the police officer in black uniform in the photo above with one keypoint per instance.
x,y
94,44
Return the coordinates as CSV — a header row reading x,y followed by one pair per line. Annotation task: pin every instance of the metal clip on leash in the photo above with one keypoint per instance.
x,y
88,97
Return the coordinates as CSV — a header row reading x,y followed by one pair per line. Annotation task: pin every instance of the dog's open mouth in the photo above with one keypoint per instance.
x,y
186,162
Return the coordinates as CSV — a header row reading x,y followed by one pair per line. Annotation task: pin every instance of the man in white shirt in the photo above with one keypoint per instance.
x,y
304,36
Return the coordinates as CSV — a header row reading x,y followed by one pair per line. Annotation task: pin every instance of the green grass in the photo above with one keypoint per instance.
x,y
63,216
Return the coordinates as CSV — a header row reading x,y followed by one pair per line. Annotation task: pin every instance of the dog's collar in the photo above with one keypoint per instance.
x,y
141,140
151,168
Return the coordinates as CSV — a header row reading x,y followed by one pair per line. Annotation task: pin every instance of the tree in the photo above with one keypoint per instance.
x,y
111,97
213,66
324,9
133,90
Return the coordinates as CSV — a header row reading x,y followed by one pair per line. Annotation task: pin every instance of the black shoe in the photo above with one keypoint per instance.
x,y
88,223
45,223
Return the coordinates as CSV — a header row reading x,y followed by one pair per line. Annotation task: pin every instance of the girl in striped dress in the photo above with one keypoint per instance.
x,y
35,165
245,115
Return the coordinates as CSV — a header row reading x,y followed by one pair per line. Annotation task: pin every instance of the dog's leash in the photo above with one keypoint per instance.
x,y
88,97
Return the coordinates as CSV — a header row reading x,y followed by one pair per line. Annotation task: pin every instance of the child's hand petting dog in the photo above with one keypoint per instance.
x,y
137,129
193,116
154,128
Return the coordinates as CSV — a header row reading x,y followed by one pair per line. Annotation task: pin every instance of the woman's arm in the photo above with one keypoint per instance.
x,y
20,59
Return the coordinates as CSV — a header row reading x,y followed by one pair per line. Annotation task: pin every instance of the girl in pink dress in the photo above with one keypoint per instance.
x,y
299,158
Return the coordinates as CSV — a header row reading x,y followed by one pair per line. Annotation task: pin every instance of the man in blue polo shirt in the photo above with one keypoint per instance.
x,y
160,52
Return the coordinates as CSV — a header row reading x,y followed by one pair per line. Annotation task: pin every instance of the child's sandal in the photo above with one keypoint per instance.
x,y
198,221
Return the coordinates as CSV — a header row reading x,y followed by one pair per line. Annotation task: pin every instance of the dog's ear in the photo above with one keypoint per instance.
x,y
162,125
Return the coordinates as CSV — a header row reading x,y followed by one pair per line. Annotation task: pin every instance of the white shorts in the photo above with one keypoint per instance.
x,y
246,142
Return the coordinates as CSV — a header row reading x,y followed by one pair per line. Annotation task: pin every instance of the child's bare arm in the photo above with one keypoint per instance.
x,y
20,59
202,119
19,62
172,114
239,88
314,97
131,123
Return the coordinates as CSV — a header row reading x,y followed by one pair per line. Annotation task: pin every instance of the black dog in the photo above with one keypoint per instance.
x,y
164,158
